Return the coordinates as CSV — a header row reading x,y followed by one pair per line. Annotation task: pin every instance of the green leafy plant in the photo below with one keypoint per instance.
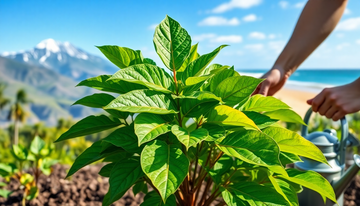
x,y
195,135
37,157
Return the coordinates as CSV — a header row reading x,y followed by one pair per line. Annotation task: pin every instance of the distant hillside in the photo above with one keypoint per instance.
x,y
51,93
64,58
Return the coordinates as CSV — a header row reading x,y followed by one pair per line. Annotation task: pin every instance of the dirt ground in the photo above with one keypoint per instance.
x,y
87,188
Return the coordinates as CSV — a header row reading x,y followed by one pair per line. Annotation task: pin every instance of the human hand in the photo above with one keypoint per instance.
x,y
337,102
274,81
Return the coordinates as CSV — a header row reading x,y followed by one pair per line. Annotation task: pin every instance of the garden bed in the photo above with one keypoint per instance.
x,y
88,188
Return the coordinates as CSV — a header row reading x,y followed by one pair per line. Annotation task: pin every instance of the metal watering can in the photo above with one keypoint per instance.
x,y
334,151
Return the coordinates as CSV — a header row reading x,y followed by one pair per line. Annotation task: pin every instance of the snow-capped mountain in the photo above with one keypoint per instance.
x,y
64,58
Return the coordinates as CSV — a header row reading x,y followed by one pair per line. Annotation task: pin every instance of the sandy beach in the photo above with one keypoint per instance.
x,y
296,99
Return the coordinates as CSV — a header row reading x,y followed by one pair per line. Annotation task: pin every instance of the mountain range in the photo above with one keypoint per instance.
x,y
49,73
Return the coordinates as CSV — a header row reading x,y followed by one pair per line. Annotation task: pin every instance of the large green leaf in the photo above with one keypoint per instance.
x,y
199,103
197,80
89,125
98,100
165,165
153,199
292,142
106,170
125,138
280,187
214,68
287,158
311,180
221,76
236,90
286,115
221,167
149,61
189,139
255,194
92,154
124,174
252,147
228,116
232,200
150,126
216,132
262,121
148,75
172,43
260,103
121,56
192,56
196,67
143,101
101,83
141,186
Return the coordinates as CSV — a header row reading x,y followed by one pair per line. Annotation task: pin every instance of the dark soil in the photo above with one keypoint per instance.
x,y
84,188
88,188
352,193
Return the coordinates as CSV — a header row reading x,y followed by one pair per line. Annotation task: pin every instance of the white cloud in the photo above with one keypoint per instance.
x,y
250,18
342,46
347,11
254,47
227,39
219,21
358,41
213,38
272,36
203,37
257,35
152,26
284,4
300,5
349,24
242,4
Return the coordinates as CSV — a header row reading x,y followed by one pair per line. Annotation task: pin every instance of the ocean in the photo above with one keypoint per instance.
x,y
313,80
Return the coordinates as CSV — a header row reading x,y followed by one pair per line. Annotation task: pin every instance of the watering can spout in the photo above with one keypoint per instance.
x,y
341,184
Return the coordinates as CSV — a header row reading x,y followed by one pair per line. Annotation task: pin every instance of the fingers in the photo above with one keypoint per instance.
x,y
338,115
318,101
309,101
264,89
331,112
256,90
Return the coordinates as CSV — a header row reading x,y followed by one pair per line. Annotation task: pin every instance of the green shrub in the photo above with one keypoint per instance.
x,y
198,127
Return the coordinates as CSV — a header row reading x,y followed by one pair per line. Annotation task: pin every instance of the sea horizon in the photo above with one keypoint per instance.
x,y
312,80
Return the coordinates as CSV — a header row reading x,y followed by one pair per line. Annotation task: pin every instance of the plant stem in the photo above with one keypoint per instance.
x,y
179,113
179,197
208,184
221,203
194,174
176,83
212,197
200,122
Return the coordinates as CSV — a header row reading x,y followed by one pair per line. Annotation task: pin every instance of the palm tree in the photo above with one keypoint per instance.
x,y
3,101
17,112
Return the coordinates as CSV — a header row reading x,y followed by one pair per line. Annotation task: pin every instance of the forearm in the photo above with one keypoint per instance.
x,y
317,20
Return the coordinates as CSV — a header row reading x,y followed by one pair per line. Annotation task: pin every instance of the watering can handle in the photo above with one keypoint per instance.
x,y
344,134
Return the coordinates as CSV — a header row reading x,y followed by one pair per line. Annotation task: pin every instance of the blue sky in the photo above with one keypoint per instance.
x,y
257,30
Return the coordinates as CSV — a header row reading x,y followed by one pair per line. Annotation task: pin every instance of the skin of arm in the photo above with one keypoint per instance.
x,y
317,20
337,102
